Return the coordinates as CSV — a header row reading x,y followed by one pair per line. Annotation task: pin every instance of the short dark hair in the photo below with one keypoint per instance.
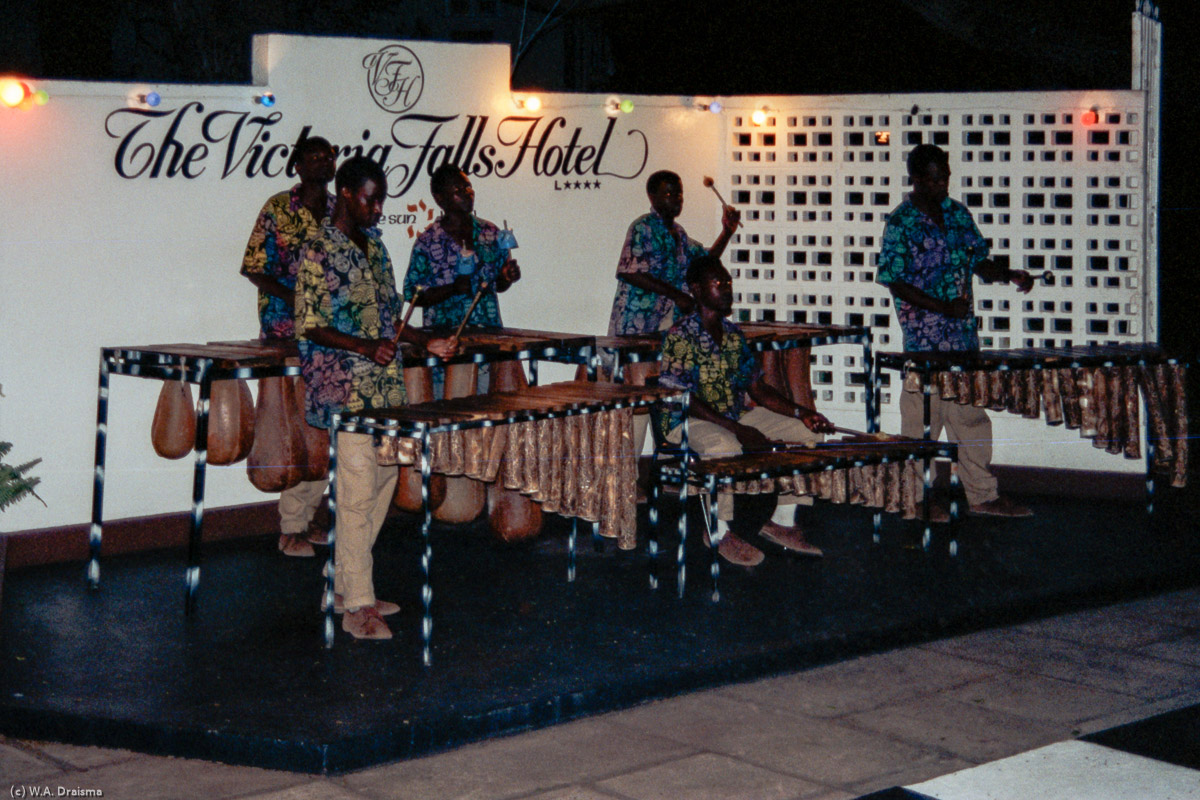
x,y
356,171
657,179
439,181
925,154
702,266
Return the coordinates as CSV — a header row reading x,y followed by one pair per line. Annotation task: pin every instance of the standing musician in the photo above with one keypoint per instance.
x,y
455,255
347,310
652,291
273,254
931,249
732,408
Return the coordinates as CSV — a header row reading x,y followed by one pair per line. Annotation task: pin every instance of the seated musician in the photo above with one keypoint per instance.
x,y
347,311
732,409
455,255
652,291
931,250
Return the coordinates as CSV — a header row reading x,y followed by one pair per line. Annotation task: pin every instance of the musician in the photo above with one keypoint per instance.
x,y
455,255
931,248
732,409
273,255
347,311
652,292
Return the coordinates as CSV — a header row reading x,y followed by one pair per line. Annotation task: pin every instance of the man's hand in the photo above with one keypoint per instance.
x,y
814,420
462,284
752,439
381,351
510,273
685,303
1021,279
730,218
958,308
442,348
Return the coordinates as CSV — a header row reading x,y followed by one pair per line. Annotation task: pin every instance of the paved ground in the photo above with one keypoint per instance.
x,y
830,733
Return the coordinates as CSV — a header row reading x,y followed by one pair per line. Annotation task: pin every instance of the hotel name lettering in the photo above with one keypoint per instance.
x,y
188,141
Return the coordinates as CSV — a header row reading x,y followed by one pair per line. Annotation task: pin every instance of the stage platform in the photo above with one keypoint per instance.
x,y
515,646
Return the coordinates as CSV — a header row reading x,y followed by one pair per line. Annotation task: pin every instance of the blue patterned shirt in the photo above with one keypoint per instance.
x,y
664,253
938,262
434,262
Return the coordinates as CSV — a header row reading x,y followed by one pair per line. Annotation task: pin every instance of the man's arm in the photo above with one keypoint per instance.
x,y
769,398
730,218
991,271
644,280
751,439
957,308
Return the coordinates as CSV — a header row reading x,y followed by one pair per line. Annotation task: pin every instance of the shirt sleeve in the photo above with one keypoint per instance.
x,y
420,269
695,249
677,367
314,305
894,257
639,243
748,369
262,256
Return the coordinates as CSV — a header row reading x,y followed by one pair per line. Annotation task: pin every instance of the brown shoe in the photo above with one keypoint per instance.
x,y
317,535
1001,507
294,544
384,607
791,539
366,623
738,551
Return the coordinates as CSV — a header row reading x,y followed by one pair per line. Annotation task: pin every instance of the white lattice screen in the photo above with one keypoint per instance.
x,y
1058,182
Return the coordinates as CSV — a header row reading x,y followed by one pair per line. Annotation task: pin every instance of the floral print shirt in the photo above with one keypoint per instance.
x,y
434,262
940,263
720,375
275,249
342,288
663,252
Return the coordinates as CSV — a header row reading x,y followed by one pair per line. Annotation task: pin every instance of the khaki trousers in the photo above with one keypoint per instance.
x,y
965,425
298,504
712,441
364,495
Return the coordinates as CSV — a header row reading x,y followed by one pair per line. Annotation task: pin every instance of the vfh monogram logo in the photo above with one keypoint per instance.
x,y
395,78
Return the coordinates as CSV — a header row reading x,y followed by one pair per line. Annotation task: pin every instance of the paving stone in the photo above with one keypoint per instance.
x,y
571,793
1185,650
19,765
1039,697
707,776
913,774
577,752
1176,608
82,757
1136,673
820,750
311,789
168,778
972,733
1119,626
863,683
1140,712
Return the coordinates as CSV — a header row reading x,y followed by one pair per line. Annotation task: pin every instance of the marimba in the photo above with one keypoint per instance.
x,y
1094,390
762,337
569,445
881,471
203,364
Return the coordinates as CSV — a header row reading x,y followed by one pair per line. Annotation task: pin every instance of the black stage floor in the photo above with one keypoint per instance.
x,y
515,646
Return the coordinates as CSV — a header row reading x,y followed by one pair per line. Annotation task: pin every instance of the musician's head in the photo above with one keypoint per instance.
x,y
929,169
313,160
452,190
361,189
665,190
710,284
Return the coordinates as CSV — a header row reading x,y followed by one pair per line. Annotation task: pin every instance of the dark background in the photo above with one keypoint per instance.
x,y
687,47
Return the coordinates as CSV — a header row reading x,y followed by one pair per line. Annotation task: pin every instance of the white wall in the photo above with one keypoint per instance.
x,y
92,259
